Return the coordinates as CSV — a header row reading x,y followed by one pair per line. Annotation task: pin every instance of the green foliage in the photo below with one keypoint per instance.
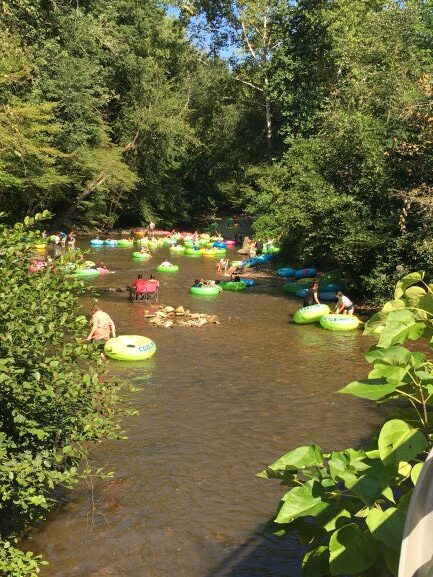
x,y
351,188
107,109
348,508
54,396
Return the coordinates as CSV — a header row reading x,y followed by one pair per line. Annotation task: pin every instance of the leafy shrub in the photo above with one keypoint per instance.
x,y
349,507
53,396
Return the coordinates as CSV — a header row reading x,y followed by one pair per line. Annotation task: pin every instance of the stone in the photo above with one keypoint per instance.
x,y
169,317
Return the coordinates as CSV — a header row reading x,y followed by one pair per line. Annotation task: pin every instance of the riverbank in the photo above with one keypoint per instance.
x,y
265,273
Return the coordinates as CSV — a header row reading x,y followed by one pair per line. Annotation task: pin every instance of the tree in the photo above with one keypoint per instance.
x,y
54,398
245,30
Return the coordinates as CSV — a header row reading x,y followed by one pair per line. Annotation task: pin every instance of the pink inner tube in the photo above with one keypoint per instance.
x,y
102,270
160,233
36,265
230,242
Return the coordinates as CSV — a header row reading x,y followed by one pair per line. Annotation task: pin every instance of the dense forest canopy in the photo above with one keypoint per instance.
x,y
313,115
108,109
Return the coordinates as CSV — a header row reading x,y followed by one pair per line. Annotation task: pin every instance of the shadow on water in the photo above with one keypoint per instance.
x,y
261,556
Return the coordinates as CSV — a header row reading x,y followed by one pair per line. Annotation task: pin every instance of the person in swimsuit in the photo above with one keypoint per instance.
x,y
71,240
101,327
344,305
312,297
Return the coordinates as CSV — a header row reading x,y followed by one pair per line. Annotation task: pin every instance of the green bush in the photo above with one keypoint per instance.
x,y
348,508
53,395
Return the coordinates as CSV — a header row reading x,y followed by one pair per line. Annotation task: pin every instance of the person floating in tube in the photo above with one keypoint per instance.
x,y
344,305
312,296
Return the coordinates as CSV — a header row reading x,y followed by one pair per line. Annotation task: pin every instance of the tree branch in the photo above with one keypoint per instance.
x,y
250,48
250,84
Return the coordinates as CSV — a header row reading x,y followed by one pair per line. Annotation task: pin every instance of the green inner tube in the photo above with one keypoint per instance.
x,y
130,348
339,322
219,250
177,248
204,290
310,314
192,252
293,287
123,242
86,272
188,244
171,268
141,255
233,286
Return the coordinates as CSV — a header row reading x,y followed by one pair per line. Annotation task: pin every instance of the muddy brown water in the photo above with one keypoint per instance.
x,y
217,404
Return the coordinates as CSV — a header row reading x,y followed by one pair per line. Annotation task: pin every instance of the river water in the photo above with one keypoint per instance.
x,y
217,404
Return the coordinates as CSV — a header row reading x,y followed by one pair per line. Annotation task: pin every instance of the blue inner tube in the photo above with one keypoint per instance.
x,y
248,281
305,272
302,293
252,261
333,286
219,245
328,296
287,271
96,242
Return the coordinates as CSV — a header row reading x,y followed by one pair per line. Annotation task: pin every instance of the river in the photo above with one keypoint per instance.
x,y
217,404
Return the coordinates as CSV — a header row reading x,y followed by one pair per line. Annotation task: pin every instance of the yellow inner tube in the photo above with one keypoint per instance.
x,y
130,348
335,322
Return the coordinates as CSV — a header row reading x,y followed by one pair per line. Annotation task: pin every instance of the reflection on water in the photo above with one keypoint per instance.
x,y
217,404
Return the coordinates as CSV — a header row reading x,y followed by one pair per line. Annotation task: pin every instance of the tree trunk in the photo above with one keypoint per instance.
x,y
87,192
268,134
